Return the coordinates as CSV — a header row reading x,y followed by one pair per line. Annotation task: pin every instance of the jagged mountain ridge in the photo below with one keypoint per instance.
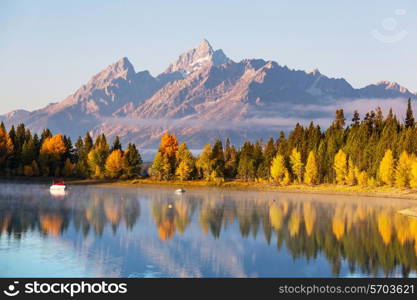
x,y
202,96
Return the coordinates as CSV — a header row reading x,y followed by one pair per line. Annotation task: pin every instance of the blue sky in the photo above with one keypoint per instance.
x,y
50,48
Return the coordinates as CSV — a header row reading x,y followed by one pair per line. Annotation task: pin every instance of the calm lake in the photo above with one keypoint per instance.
x,y
94,231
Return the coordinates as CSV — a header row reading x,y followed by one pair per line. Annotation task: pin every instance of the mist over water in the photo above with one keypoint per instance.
x,y
93,231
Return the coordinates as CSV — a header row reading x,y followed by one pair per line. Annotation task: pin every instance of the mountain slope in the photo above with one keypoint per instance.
x,y
202,96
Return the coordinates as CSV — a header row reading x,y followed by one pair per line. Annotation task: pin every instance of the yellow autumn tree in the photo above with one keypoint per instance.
x,y
157,169
167,157
114,164
386,168
362,178
340,167
92,160
296,165
50,154
203,163
413,174
185,162
184,170
97,173
279,172
372,182
287,178
311,175
403,170
351,177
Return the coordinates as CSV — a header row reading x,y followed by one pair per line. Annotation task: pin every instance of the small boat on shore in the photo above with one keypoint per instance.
x,y
58,193
58,185
180,191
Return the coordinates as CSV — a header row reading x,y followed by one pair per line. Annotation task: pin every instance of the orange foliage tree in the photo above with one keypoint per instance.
x,y
169,145
51,153
6,145
54,146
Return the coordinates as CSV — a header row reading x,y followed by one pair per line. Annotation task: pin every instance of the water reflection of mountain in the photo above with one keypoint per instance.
x,y
367,234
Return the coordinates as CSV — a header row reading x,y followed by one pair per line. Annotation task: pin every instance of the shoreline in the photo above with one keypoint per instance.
x,y
323,189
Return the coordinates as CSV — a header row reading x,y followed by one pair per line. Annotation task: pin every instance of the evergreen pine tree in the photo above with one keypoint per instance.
x,y
28,152
409,118
356,119
88,143
116,144
217,158
46,133
282,144
340,119
246,168
258,158
132,161
231,160
269,153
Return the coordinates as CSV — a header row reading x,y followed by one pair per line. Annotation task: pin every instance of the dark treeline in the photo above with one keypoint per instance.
x,y
375,150
22,153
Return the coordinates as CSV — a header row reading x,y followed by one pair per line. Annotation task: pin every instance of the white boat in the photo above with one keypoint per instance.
x,y
58,185
179,191
58,193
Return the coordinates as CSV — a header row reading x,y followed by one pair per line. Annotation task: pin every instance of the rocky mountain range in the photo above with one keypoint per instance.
x,y
202,96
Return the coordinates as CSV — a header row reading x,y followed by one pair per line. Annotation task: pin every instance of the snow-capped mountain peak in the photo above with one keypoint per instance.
x,y
197,58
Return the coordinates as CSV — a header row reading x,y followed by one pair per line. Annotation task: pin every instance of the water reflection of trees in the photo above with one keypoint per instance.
x,y
371,238
171,215
87,212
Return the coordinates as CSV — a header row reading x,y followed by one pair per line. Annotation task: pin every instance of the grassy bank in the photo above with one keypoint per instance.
x,y
389,192
382,191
